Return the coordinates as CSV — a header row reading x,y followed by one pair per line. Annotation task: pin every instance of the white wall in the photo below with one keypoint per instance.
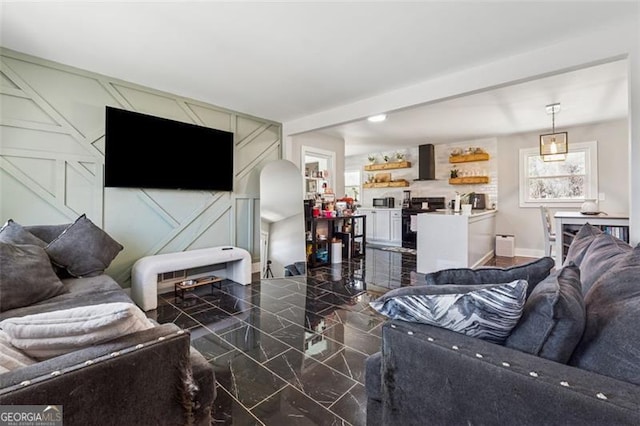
x,y
613,180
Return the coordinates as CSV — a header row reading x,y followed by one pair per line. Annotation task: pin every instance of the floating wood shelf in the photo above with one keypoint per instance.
x,y
393,184
468,180
468,158
388,166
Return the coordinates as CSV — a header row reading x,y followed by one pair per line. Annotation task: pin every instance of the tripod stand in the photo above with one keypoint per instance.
x,y
268,271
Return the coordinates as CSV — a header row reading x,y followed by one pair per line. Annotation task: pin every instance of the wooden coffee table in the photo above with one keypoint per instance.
x,y
183,286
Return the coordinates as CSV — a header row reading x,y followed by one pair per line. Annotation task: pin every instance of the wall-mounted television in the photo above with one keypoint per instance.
x,y
144,151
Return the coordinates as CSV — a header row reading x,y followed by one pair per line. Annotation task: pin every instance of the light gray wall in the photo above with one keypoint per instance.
x,y
52,157
613,180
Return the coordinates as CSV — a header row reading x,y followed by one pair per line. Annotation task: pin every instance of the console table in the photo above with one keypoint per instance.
x,y
569,223
144,274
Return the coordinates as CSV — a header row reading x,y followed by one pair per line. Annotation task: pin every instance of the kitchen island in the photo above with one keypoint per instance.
x,y
452,240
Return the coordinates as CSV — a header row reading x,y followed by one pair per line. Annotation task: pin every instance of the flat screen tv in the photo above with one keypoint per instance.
x,y
143,151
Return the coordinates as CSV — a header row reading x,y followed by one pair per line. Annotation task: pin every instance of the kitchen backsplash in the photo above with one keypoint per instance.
x,y
436,188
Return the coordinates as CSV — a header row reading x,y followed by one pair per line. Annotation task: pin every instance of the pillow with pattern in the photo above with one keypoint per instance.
x,y
485,311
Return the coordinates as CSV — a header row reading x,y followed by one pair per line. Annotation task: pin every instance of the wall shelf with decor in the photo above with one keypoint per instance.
x,y
469,180
393,184
388,166
467,158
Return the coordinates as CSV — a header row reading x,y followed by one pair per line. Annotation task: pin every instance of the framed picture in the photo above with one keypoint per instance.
x,y
312,185
554,143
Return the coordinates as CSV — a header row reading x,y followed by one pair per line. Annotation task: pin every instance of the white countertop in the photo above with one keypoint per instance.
x,y
474,213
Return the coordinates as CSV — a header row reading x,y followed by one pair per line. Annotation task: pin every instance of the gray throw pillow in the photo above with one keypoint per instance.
x,y
14,233
47,233
581,243
83,249
553,319
26,276
532,272
609,345
488,311
602,255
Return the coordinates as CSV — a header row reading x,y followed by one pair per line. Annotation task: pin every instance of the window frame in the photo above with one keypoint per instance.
x,y
359,172
591,175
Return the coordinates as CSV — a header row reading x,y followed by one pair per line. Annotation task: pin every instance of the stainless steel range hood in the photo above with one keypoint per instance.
x,y
426,162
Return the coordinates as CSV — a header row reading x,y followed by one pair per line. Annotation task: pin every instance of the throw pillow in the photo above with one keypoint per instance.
x,y
488,311
83,249
602,255
609,345
532,272
581,243
26,276
553,319
47,233
50,334
14,233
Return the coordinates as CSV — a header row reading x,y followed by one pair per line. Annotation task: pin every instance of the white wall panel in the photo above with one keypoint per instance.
x,y
52,156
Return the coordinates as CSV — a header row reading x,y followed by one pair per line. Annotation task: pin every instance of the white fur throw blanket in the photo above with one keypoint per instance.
x,y
50,334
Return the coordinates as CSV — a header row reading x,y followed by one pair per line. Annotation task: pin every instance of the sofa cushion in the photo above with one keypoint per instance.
x,y
532,272
83,249
581,243
486,311
26,276
14,233
50,334
602,255
553,319
609,345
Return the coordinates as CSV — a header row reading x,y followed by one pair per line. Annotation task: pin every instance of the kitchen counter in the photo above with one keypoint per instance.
x,y
453,240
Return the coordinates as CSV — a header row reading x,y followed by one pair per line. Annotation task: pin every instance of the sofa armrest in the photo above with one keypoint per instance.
x,y
443,377
141,378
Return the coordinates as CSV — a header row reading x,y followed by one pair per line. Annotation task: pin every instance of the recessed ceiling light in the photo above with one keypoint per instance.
x,y
377,118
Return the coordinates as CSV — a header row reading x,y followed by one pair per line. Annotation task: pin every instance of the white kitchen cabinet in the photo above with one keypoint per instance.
x,y
384,226
396,227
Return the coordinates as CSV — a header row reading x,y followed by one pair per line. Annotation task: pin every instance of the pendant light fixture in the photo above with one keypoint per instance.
x,y
554,146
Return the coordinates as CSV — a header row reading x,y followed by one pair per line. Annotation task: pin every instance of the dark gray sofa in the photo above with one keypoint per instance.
x,y
152,376
427,375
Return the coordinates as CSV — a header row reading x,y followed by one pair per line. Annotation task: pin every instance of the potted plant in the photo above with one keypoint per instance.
x,y
399,156
386,158
372,159
454,172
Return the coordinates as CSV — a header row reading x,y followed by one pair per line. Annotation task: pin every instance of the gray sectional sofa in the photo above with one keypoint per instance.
x,y
573,358
148,376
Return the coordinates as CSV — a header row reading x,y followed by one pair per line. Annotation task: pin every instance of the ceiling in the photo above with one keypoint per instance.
x,y
589,95
286,60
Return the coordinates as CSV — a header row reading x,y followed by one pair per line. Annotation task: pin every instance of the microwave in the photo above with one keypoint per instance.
x,y
387,202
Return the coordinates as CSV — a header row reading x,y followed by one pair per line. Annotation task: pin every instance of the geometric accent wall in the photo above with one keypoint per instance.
x,y
52,163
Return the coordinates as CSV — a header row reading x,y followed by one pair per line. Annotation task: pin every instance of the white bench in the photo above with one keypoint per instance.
x,y
144,274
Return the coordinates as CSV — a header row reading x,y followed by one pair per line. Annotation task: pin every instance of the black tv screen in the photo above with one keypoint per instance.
x,y
143,151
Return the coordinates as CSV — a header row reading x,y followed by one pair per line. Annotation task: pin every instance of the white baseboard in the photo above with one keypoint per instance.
x,y
524,252
484,259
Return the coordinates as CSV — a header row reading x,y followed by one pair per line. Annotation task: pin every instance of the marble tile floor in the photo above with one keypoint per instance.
x,y
291,351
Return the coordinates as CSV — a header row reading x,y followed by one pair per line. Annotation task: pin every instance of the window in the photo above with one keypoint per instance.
x,y
559,183
352,184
